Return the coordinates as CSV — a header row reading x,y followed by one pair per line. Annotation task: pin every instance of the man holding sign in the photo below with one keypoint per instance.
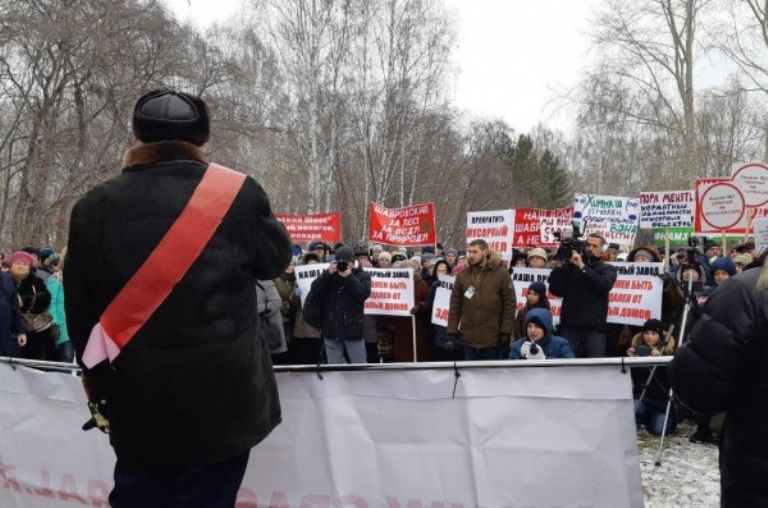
x,y
482,313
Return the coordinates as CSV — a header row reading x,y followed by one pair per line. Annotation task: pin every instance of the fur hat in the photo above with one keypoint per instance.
x,y
743,259
22,257
655,326
167,115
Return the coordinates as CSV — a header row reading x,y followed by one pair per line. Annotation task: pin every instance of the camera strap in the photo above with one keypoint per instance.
x,y
148,288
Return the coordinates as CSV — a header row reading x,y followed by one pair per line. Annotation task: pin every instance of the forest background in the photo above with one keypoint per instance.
x,y
332,104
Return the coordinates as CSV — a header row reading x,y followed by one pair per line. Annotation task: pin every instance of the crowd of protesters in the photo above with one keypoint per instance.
x,y
34,324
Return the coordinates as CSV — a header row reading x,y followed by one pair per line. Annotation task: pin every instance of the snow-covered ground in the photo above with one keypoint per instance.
x,y
688,476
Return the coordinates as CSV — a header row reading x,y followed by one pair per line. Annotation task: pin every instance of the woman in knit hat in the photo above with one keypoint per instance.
x,y
536,298
35,300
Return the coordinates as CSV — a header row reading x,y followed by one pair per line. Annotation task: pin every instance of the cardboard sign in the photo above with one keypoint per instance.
x,y
615,218
672,209
496,227
442,303
405,227
392,292
305,228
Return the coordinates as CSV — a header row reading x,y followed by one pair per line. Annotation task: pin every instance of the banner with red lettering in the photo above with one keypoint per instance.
x,y
305,228
442,303
729,204
634,299
392,292
496,228
357,439
528,226
406,227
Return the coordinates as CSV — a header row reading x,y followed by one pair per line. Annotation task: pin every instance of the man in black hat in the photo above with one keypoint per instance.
x,y
345,287
193,390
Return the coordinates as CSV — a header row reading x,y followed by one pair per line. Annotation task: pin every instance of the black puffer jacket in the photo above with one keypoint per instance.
x,y
584,293
344,303
724,366
195,385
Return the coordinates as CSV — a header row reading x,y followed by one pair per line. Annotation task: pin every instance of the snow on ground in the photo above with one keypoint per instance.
x,y
688,476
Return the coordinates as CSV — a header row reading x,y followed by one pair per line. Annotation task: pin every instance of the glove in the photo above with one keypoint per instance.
x,y
99,417
453,339
415,310
297,291
505,340
525,351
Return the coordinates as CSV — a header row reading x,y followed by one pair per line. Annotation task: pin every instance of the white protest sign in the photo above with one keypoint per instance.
x,y
761,234
583,428
615,218
752,180
497,228
442,303
549,227
720,206
634,299
671,209
306,274
392,292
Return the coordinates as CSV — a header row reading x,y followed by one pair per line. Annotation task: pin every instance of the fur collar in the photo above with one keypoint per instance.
x,y
491,262
161,151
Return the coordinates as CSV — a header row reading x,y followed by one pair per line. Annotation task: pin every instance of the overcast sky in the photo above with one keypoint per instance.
x,y
512,55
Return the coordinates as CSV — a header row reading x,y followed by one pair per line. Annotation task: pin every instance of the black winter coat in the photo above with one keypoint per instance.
x,y
344,303
584,293
11,320
195,385
724,366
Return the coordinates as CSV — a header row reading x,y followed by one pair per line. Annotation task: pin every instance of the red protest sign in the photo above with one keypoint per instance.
x,y
305,228
528,225
408,226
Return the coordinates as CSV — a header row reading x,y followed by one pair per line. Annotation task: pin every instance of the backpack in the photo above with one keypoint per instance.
x,y
313,309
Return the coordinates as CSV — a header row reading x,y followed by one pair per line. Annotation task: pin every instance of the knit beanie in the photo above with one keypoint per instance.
x,y
539,288
655,326
725,264
22,257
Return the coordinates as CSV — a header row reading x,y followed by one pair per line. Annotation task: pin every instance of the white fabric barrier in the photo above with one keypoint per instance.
x,y
534,437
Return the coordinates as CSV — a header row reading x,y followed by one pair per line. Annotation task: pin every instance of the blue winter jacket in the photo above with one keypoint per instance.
x,y
554,346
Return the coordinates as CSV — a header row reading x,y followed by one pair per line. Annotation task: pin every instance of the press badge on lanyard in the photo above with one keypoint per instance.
x,y
470,293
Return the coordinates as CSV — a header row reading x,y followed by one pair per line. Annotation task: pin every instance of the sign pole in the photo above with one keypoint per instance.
x,y
666,249
725,243
750,216
413,329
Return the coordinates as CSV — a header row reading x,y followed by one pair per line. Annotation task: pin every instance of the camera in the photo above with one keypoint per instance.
x,y
342,266
570,244
534,348
694,241
642,351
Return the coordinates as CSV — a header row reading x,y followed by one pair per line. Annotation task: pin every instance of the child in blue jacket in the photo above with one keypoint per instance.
x,y
537,328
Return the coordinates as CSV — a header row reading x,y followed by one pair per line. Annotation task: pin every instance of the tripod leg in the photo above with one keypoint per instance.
x,y
664,428
645,387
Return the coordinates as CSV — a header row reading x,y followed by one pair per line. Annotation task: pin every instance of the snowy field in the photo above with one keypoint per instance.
x,y
688,476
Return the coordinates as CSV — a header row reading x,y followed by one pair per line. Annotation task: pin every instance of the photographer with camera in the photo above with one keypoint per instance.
x,y
344,288
583,280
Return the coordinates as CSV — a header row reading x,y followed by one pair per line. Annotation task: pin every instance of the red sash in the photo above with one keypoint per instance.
x,y
166,266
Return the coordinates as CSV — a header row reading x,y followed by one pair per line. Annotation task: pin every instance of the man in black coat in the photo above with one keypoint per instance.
x,y
584,283
345,287
193,391
722,367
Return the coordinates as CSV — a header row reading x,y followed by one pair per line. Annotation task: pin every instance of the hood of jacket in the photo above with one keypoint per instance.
x,y
543,317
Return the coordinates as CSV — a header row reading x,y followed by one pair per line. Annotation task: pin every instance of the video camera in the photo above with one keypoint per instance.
x,y
570,244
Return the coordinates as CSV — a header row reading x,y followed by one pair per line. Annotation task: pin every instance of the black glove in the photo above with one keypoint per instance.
x,y
99,417
505,340
453,340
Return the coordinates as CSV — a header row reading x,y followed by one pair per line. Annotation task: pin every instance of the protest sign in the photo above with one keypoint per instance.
x,y
635,297
729,204
615,218
752,180
305,228
496,227
306,274
761,234
392,292
672,209
442,303
528,226
408,226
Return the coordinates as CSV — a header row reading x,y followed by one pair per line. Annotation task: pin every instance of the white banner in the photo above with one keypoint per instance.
x,y
614,217
442,303
392,292
394,439
497,228
671,209
635,297
306,275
